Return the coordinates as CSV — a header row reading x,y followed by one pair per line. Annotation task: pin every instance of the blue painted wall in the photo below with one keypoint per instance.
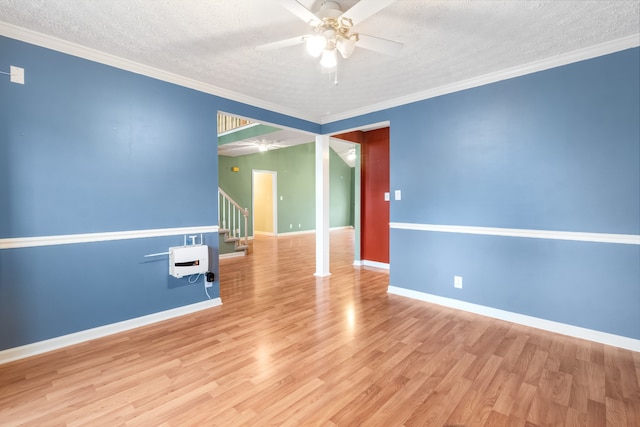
x,y
51,291
554,150
88,148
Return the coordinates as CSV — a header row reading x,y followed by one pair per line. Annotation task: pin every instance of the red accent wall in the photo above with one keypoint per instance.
x,y
374,221
375,182
355,136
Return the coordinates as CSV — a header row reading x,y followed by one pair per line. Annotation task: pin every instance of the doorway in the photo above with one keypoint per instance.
x,y
264,186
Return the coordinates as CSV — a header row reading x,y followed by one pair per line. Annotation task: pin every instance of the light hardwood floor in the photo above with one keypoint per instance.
x,y
286,348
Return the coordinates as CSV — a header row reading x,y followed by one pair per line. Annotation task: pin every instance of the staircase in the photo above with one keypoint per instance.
x,y
233,221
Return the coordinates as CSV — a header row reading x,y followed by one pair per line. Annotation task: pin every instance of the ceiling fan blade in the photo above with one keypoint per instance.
x,y
377,44
364,9
282,43
300,11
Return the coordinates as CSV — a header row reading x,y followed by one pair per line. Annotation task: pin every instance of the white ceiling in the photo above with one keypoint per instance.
x,y
213,43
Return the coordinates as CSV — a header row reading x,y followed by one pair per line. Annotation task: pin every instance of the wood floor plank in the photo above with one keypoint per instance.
x,y
632,411
322,407
288,348
522,401
616,413
506,397
596,414
437,407
575,418
404,402
579,394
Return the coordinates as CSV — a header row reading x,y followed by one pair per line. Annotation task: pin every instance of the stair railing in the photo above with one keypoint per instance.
x,y
228,123
233,218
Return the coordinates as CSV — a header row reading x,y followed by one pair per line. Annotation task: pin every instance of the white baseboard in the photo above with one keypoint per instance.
x,y
376,264
521,319
293,233
11,354
231,255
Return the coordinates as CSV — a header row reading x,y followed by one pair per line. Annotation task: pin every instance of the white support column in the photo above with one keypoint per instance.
x,y
322,206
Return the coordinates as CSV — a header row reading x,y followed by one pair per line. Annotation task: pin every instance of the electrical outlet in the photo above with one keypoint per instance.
x,y
290,225
457,282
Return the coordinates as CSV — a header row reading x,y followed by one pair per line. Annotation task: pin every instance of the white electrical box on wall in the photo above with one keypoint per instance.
x,y
188,260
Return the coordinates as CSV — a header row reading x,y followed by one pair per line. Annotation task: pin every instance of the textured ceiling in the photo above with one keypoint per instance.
x,y
214,42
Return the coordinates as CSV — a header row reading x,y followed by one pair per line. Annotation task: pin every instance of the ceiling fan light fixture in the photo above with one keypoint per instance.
x,y
316,44
346,46
329,59
329,33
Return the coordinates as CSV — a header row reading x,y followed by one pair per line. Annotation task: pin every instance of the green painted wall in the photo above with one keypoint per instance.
x,y
340,192
295,167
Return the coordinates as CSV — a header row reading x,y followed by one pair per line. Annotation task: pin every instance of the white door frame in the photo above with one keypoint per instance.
x,y
274,180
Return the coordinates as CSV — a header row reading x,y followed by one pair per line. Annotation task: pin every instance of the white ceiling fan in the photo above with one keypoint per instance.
x,y
332,31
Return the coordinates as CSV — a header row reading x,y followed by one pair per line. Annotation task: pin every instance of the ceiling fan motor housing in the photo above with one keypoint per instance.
x,y
329,9
335,30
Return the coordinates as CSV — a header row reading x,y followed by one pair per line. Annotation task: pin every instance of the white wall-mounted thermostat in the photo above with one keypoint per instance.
x,y
188,260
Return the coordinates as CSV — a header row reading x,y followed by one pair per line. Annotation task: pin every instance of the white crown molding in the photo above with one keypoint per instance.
x,y
521,319
624,239
363,128
40,347
90,54
28,242
509,73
